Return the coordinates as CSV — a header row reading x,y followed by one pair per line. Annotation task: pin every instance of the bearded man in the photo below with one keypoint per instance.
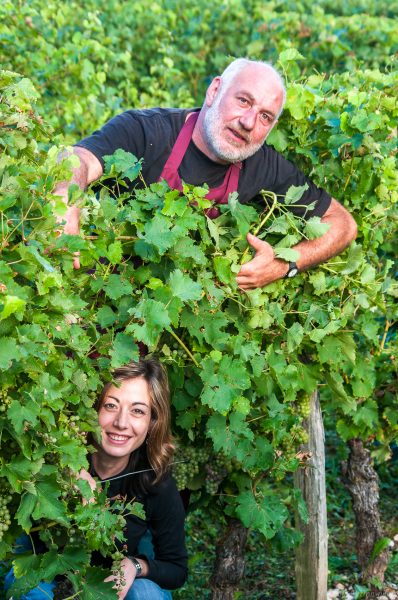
x,y
222,145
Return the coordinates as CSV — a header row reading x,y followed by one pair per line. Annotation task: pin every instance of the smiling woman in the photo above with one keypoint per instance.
x,y
133,455
134,417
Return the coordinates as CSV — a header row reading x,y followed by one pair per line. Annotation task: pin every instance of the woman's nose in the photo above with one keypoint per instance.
x,y
121,419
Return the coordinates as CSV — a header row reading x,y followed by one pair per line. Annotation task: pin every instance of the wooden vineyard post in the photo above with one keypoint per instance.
x,y
312,554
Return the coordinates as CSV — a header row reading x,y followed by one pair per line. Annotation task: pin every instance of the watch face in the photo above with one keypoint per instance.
x,y
292,272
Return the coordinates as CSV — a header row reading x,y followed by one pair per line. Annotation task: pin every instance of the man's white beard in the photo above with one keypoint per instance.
x,y
212,135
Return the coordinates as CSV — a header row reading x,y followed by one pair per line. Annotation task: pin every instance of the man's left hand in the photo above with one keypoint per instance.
x,y
263,269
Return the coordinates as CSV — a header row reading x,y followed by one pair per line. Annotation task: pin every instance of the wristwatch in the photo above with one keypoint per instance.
x,y
137,565
292,270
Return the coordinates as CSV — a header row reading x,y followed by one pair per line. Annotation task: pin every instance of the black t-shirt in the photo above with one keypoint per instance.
x,y
165,520
150,134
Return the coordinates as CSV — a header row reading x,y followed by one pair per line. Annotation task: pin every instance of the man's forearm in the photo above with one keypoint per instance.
x,y
342,232
89,170
264,268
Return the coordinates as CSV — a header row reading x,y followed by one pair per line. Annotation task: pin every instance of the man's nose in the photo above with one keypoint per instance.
x,y
248,119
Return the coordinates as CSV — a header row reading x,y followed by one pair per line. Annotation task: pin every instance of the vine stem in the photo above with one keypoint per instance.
x,y
386,328
185,348
118,237
74,595
264,220
39,527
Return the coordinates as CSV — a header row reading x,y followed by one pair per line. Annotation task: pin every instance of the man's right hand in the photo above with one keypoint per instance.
x,y
71,227
89,170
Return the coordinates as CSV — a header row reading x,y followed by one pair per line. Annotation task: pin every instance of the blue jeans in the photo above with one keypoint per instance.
x,y
142,589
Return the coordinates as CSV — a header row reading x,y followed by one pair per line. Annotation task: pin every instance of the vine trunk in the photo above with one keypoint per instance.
x,y
362,482
230,561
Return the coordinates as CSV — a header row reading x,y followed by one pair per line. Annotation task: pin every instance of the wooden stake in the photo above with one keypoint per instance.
x,y
312,554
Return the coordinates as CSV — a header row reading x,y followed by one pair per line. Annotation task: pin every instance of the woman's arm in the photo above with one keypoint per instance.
x,y
165,516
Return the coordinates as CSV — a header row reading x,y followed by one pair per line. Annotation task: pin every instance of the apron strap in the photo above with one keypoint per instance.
x,y
218,195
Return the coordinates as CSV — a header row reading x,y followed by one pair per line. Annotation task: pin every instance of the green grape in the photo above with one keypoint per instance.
x,y
5,499
304,406
5,400
188,463
216,471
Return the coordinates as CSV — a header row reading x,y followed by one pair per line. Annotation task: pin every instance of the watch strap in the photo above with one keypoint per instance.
x,y
292,270
137,565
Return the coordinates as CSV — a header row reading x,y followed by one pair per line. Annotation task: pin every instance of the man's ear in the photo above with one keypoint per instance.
x,y
213,90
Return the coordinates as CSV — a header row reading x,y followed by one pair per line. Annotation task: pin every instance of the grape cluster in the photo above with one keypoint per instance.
x,y
186,465
216,471
304,406
5,499
299,434
175,353
70,424
5,400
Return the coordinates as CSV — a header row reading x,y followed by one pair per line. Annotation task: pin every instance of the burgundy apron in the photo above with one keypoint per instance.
x,y
220,194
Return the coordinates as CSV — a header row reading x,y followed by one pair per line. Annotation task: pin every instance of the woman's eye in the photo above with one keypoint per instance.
x,y
109,405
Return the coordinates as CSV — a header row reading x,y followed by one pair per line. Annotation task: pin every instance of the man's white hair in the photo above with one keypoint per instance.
x,y
237,65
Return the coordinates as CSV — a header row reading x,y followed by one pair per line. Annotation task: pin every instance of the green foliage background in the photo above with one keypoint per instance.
x,y
241,367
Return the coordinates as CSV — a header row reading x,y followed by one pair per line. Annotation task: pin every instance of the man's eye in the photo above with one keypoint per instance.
x,y
243,100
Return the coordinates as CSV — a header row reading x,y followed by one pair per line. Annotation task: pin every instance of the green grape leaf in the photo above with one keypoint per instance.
x,y
124,350
287,254
116,287
314,228
9,351
48,505
155,320
266,515
124,163
184,287
25,509
11,305
73,558
294,193
94,586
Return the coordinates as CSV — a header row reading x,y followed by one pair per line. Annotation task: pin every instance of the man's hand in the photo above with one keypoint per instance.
x,y
89,170
263,269
72,226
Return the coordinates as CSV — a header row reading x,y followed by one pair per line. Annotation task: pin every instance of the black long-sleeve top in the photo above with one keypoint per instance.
x,y
165,519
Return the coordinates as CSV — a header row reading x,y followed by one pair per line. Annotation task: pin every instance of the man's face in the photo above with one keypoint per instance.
x,y
238,119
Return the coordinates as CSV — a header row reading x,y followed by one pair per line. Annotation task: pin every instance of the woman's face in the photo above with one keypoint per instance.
x,y
124,417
